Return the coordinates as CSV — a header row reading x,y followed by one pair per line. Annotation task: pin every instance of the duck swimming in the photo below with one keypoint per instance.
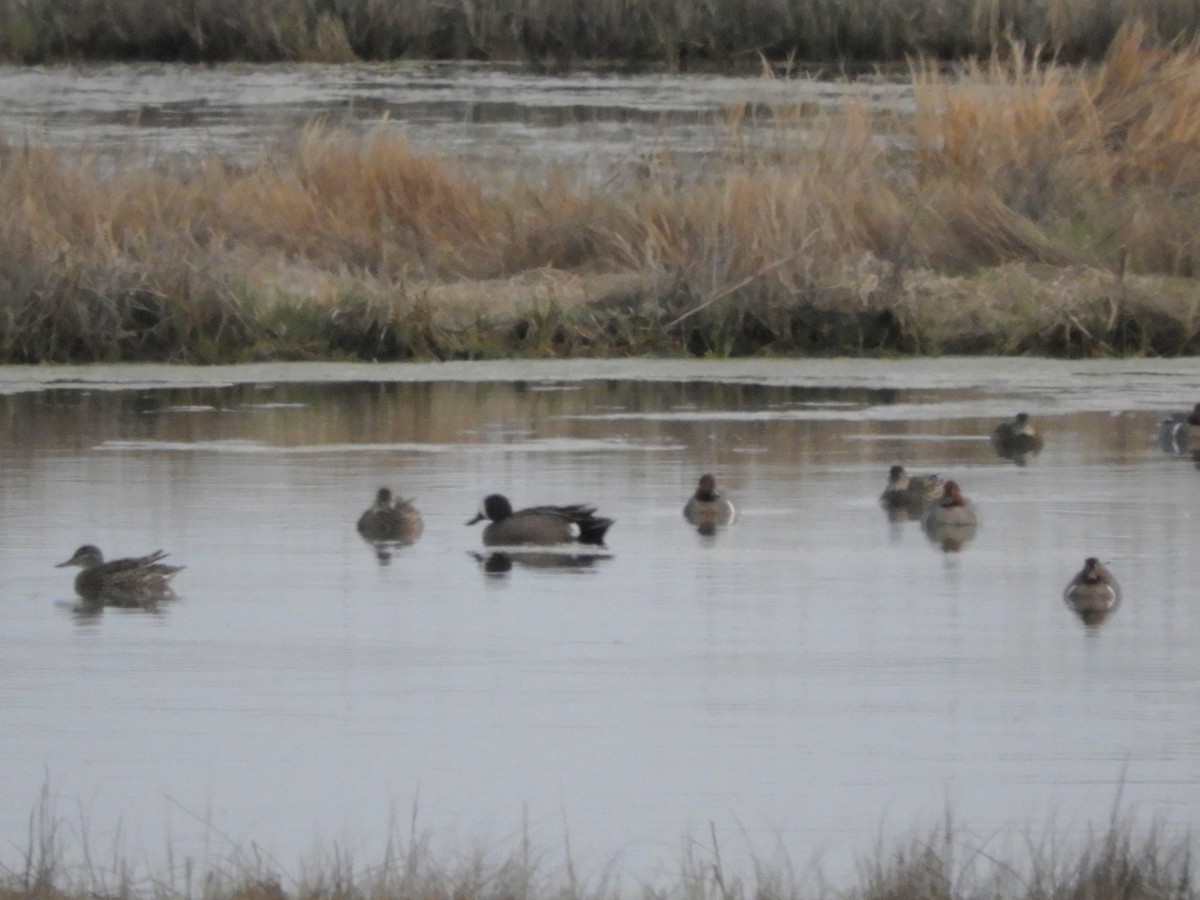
x,y
135,581
909,493
1093,592
708,507
1017,439
541,525
951,520
388,520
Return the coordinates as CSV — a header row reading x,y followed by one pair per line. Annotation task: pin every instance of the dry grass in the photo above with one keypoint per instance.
x,y
1122,862
1023,208
558,33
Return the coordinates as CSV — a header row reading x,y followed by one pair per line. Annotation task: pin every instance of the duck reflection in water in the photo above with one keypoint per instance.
x,y
907,496
951,520
501,562
1093,593
1017,440
708,508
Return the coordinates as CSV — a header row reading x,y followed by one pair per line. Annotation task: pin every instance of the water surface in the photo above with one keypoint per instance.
x,y
596,123
805,681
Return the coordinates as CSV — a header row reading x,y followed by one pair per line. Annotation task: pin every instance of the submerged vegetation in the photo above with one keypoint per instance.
x,y
557,33
1021,208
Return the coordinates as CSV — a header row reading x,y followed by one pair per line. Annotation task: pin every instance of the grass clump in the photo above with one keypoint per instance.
x,y
1123,862
1022,208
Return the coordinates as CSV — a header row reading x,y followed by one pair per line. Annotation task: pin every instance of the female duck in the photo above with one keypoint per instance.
x,y
386,520
708,507
1093,593
541,525
1017,439
122,582
909,493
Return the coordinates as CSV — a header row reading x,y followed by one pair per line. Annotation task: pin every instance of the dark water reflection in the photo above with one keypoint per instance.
x,y
796,678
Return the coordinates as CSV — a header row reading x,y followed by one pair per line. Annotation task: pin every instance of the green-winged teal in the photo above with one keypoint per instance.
x,y
391,520
122,582
909,493
951,509
1093,593
708,507
544,525
1177,431
951,520
1017,439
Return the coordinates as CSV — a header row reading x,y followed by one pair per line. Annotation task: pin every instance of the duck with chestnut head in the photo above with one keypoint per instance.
x,y
1093,593
708,507
951,520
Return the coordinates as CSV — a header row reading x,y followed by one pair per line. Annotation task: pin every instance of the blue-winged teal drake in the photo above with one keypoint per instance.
x,y
391,520
1018,439
1093,593
1177,431
909,493
543,525
123,582
708,507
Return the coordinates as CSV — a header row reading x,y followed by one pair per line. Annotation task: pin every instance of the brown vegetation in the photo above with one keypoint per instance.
x,y
558,33
1022,208
1121,863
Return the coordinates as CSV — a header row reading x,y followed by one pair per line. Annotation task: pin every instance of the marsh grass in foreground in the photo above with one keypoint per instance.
x,y
1020,209
1122,862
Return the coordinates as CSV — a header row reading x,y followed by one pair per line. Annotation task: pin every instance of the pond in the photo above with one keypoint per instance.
x,y
807,680
596,124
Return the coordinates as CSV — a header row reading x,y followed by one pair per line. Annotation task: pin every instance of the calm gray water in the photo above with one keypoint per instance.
x,y
597,124
809,680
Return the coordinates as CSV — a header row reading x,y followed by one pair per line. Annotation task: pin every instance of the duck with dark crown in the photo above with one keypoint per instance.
x,y
540,525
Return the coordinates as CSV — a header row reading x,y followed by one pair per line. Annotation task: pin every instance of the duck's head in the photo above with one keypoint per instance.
x,y
85,557
952,495
706,490
1093,571
495,507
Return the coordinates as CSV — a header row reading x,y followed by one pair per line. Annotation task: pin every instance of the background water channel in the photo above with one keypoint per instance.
x,y
595,124
807,681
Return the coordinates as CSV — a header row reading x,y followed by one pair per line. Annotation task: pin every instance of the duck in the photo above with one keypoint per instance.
x,y
1093,592
909,493
708,507
540,525
951,509
1017,439
951,520
390,520
135,581
1175,431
